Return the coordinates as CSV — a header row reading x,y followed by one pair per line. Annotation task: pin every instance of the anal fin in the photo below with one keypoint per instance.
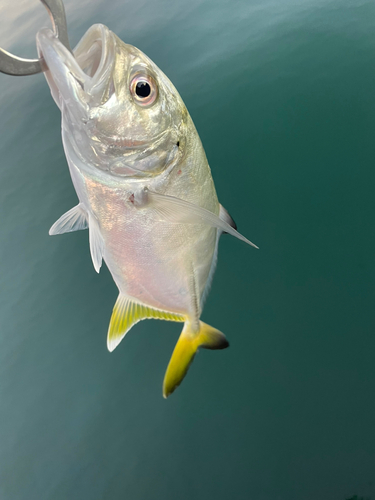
x,y
126,313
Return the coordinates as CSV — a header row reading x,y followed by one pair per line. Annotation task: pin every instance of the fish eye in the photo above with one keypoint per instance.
x,y
144,90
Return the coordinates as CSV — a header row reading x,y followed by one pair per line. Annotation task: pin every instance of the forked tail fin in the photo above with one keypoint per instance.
x,y
185,350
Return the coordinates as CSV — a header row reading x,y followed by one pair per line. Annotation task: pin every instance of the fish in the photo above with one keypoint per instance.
x,y
144,187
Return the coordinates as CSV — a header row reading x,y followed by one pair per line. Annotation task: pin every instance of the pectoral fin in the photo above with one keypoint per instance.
x,y
185,350
127,313
180,211
73,220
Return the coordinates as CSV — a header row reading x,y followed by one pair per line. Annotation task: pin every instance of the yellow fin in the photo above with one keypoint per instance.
x,y
127,313
185,350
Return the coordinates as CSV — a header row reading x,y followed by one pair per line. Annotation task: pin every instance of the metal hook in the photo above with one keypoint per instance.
x,y
13,65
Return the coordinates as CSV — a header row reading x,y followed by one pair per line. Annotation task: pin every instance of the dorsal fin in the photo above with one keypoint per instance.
x,y
127,313
225,216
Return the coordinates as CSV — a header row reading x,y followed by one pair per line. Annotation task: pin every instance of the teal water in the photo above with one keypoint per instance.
x,y
282,94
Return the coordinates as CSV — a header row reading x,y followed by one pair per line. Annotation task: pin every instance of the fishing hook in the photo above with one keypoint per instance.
x,y
17,66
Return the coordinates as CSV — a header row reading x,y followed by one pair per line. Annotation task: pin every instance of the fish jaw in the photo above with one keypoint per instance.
x,y
78,80
74,90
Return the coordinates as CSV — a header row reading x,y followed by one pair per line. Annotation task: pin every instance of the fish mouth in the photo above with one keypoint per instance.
x,y
95,55
77,77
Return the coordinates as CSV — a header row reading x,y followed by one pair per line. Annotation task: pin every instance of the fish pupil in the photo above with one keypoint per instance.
x,y
143,89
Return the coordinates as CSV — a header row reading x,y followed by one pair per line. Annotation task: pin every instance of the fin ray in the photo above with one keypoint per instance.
x,y
180,211
96,243
74,219
126,313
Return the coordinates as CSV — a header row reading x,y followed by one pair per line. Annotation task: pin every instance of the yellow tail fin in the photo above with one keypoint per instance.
x,y
185,350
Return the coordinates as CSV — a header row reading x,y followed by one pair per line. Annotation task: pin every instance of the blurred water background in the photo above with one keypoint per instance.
x,y
282,94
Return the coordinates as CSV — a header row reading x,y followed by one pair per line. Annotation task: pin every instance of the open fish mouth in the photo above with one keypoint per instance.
x,y
95,54
76,77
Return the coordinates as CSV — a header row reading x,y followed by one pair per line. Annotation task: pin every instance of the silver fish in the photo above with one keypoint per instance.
x,y
144,186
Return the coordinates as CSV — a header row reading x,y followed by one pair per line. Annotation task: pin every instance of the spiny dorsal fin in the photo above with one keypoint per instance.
x,y
73,220
127,313
225,216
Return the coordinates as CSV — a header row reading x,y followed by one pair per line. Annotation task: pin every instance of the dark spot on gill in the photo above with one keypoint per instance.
x,y
178,144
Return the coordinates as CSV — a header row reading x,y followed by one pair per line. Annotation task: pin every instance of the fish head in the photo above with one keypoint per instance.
x,y
120,113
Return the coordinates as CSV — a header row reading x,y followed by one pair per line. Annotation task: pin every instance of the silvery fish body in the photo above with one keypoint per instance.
x,y
144,186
